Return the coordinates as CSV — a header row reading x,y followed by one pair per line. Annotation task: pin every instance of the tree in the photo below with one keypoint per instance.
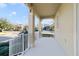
x,y
5,25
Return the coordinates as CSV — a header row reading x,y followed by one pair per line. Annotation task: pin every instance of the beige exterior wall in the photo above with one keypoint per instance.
x,y
64,27
78,29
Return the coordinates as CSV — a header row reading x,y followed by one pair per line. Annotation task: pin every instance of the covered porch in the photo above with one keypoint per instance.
x,y
64,42
39,45
42,11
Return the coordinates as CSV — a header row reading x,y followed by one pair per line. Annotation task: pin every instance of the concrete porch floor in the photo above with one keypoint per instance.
x,y
46,46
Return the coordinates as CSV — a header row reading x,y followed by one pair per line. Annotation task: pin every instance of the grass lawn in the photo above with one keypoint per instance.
x,y
2,33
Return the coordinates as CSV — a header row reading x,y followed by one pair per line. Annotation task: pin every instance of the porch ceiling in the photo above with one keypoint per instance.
x,y
46,10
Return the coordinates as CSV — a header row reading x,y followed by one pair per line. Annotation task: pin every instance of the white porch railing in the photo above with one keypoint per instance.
x,y
18,45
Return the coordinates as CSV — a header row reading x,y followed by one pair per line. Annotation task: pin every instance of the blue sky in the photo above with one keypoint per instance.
x,y
17,13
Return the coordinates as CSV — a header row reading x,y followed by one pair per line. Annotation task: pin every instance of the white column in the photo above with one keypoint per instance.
x,y
31,34
40,27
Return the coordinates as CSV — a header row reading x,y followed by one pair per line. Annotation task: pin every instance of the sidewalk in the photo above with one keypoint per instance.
x,y
9,33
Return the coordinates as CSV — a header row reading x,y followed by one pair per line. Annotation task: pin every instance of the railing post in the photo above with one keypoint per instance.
x,y
22,35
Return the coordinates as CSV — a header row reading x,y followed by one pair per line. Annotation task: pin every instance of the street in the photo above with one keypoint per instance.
x,y
8,35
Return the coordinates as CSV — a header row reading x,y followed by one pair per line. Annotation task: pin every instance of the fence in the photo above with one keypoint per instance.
x,y
18,45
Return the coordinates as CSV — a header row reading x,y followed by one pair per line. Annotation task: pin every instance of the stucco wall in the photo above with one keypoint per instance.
x,y
64,27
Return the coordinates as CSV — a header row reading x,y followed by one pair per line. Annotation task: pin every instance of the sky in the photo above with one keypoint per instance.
x,y
17,13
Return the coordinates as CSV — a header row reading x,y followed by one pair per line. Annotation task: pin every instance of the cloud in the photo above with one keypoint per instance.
x,y
2,5
12,13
